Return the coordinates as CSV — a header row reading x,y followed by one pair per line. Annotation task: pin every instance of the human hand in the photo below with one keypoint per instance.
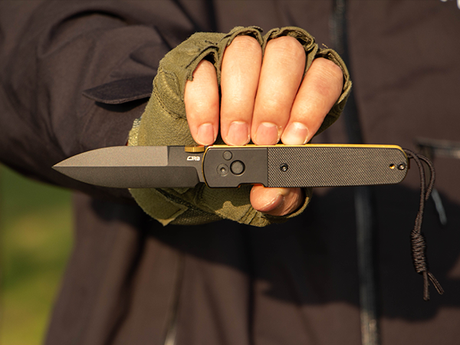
x,y
264,99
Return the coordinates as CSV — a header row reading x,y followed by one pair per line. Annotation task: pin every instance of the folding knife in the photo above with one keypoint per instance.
x,y
312,165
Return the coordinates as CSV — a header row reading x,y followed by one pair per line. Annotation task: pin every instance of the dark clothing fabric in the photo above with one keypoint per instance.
x,y
132,281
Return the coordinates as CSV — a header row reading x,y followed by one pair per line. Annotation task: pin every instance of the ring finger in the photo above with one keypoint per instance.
x,y
282,71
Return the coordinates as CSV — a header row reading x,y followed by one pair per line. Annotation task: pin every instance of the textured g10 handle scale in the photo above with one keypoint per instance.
x,y
304,166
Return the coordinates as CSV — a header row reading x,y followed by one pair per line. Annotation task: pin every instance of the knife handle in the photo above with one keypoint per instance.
x,y
312,165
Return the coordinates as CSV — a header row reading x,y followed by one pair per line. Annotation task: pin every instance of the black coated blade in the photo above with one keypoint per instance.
x,y
135,167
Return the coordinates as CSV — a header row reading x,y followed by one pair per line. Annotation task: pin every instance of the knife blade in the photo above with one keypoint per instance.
x,y
311,165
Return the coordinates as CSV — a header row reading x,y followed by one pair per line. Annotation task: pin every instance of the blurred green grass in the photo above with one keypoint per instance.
x,y
35,242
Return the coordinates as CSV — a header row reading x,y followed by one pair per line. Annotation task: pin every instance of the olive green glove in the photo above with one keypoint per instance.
x,y
164,122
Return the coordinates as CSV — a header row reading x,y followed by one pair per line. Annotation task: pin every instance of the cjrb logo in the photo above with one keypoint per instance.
x,y
458,2
193,158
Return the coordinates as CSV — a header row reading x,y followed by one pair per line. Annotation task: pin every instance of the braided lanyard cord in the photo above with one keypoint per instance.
x,y
417,238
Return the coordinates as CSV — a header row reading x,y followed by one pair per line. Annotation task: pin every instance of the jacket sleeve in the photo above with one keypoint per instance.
x,y
52,51
55,52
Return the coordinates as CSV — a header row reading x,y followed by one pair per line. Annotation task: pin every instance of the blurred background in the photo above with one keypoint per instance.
x,y
35,242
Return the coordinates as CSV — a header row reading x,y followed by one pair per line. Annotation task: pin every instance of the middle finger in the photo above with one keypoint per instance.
x,y
239,79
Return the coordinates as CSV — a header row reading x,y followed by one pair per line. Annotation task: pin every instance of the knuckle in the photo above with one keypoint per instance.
x,y
287,45
246,44
328,68
203,67
276,109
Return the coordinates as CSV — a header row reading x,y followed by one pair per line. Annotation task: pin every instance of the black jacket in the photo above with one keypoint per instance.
x,y
131,281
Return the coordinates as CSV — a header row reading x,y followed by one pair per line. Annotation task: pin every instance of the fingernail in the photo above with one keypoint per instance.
x,y
205,134
238,133
296,134
277,202
274,204
267,134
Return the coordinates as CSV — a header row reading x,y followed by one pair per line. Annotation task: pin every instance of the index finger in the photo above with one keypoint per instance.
x,y
201,98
